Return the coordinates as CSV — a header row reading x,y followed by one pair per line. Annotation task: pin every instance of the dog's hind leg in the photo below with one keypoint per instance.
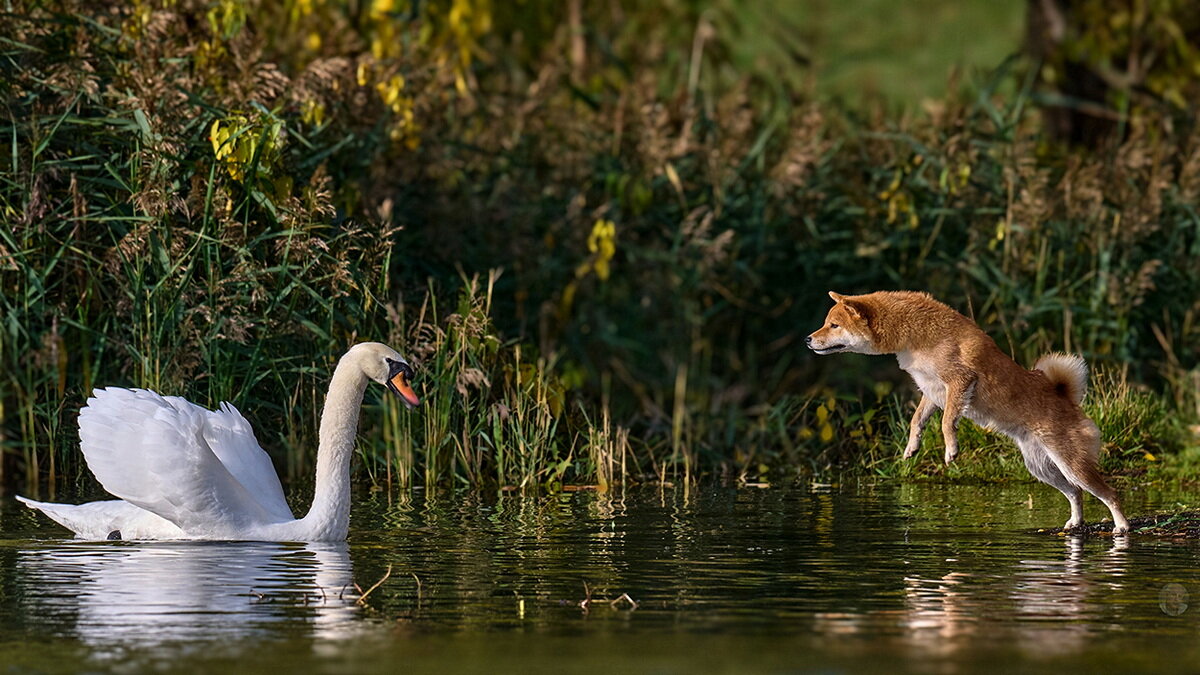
x,y
1043,468
919,419
1076,455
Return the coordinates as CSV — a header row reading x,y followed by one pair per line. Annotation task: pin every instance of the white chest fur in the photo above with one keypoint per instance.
x,y
924,373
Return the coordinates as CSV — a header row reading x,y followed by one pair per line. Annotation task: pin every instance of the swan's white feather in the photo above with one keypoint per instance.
x,y
232,440
97,520
201,470
184,472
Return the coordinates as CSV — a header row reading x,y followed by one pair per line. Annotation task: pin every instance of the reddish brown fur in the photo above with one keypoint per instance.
x,y
960,369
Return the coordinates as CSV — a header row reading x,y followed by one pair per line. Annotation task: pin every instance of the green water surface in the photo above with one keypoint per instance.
x,y
855,577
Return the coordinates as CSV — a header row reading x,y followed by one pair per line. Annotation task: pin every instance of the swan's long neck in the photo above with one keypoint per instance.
x,y
329,517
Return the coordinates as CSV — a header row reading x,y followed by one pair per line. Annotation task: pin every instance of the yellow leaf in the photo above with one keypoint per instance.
x,y
214,134
1149,457
673,176
381,8
826,433
895,183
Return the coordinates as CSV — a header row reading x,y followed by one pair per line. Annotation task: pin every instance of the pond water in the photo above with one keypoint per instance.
x,y
820,578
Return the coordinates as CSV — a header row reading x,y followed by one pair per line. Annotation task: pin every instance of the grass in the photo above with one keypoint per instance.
x,y
490,415
903,53
1139,431
603,267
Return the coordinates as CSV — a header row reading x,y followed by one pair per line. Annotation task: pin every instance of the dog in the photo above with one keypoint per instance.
x,y
960,370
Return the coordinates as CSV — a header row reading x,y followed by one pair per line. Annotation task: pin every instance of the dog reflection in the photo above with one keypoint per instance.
x,y
1057,601
1047,602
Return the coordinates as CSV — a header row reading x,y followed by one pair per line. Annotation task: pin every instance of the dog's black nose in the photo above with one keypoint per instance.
x,y
808,340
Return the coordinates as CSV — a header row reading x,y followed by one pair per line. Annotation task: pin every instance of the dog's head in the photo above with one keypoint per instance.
x,y
845,330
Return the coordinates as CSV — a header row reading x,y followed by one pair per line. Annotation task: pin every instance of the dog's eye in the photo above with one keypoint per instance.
x,y
833,325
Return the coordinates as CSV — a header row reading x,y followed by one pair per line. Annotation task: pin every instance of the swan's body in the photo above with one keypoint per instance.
x,y
184,472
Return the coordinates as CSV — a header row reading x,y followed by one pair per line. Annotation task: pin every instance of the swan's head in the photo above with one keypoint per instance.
x,y
384,365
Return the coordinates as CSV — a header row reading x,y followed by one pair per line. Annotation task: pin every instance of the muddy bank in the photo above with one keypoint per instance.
x,y
1182,525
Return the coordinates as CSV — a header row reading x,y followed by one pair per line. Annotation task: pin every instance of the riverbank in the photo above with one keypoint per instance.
x,y
604,269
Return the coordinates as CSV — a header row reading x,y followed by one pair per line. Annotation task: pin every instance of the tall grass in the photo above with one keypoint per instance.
x,y
216,199
491,416
1138,428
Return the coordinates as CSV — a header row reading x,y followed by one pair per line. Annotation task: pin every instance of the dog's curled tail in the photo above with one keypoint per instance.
x,y
1067,372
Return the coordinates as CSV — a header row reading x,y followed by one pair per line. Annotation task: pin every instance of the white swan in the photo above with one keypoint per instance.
x,y
184,472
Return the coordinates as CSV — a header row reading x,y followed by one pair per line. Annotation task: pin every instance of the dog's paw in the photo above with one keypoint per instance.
x,y
951,453
1072,524
911,449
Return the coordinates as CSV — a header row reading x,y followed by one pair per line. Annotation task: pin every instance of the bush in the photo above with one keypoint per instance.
x,y
215,199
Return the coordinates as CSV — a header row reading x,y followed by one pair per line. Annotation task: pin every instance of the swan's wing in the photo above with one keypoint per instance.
x,y
158,454
231,438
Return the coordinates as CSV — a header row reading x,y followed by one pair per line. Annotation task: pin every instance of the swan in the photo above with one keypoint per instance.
x,y
184,472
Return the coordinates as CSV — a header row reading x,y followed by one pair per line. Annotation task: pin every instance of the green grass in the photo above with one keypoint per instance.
x,y
903,52
218,209
491,416
1142,436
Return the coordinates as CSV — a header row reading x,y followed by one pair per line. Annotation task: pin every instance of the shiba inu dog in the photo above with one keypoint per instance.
x,y
960,370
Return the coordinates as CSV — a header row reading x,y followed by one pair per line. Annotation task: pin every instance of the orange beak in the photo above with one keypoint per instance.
x,y
400,385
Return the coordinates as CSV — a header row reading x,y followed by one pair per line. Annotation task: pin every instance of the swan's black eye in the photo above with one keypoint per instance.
x,y
394,367
399,368
833,325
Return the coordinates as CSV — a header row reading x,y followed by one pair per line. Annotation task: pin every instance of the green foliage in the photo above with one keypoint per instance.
x,y
490,414
1106,65
1139,430
214,199
1146,51
1138,427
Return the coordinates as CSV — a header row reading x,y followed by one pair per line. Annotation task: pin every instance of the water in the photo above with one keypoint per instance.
x,y
821,578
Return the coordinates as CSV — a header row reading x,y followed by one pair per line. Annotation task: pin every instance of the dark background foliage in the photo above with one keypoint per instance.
x,y
216,198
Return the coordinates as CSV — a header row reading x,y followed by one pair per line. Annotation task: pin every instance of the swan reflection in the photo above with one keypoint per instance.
x,y
107,593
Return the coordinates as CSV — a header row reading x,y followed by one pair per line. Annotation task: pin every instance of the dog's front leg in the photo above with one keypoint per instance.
x,y
957,394
915,428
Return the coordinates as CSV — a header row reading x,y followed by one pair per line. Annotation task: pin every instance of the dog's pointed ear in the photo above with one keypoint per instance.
x,y
855,309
